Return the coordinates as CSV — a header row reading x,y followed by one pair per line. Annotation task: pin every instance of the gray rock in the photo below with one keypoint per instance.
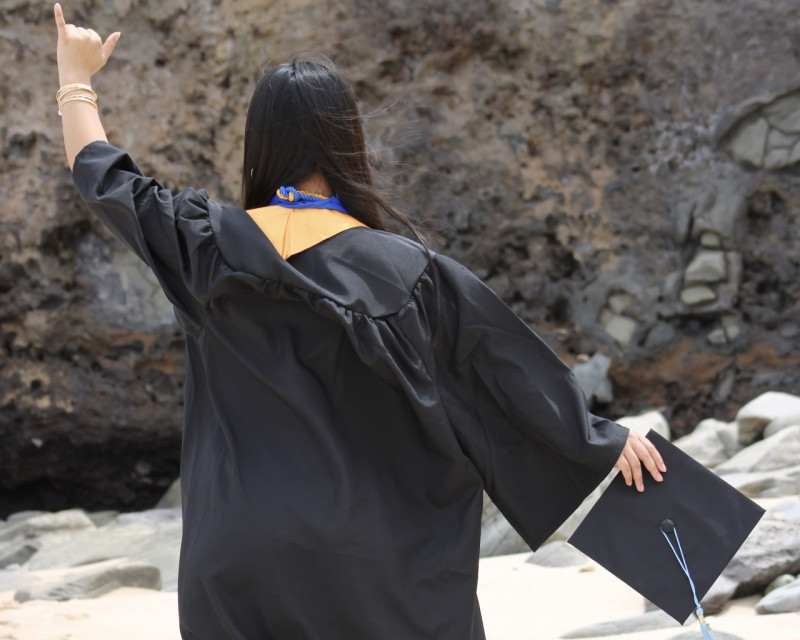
x,y
90,581
172,498
593,378
776,452
772,549
645,622
766,484
704,443
725,214
717,337
776,158
152,537
784,113
498,537
151,516
696,295
781,600
731,326
102,518
695,635
621,328
781,581
19,516
748,142
710,240
644,422
729,435
719,594
759,412
778,424
788,511
707,266
558,554
571,523
620,302
30,527
779,140
17,552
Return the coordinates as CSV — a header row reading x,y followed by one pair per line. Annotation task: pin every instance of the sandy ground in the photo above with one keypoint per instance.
x,y
519,600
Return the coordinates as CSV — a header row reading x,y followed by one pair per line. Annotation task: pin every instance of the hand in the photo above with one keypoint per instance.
x,y
639,450
80,51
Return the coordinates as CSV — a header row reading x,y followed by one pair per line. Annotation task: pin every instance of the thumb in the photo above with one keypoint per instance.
x,y
109,44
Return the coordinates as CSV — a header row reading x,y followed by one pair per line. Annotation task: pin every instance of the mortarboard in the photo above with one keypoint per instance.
x,y
671,542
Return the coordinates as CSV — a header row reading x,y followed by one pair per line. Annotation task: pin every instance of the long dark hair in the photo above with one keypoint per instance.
x,y
303,118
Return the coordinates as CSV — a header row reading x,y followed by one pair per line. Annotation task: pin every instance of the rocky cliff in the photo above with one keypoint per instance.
x,y
623,173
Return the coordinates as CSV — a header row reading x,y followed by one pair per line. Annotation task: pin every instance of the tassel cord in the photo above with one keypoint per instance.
x,y
685,567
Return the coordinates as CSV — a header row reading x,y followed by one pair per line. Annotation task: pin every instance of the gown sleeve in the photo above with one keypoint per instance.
x,y
171,233
518,411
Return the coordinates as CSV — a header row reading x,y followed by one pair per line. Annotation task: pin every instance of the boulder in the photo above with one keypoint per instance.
x,y
789,420
644,422
571,523
152,537
71,520
776,452
704,443
695,635
17,552
728,434
787,511
172,497
593,378
89,581
781,600
772,549
766,484
771,406
498,537
707,266
781,581
644,622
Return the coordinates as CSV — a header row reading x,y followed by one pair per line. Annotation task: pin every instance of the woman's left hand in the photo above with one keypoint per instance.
x,y
639,452
81,52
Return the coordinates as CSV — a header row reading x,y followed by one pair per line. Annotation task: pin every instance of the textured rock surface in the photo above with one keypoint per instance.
x,y
704,443
580,156
645,622
771,550
776,452
781,600
90,581
771,409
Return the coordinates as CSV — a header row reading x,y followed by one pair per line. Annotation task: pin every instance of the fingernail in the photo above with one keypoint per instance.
x,y
659,477
663,467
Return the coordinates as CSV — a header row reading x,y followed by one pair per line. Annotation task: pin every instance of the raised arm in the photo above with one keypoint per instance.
x,y
80,53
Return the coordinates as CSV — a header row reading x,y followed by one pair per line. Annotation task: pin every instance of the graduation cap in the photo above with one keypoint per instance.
x,y
671,542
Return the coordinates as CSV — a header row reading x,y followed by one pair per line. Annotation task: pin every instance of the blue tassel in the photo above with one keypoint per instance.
x,y
668,524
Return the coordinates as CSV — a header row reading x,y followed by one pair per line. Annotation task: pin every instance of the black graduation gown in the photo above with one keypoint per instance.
x,y
341,424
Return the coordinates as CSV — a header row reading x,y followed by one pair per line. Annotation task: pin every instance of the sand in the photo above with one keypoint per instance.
x,y
519,600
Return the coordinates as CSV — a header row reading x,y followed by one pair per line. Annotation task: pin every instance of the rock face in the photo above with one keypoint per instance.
x,y
771,550
65,555
617,171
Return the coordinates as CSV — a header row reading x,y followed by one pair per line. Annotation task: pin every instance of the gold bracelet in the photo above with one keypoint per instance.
x,y
77,98
74,87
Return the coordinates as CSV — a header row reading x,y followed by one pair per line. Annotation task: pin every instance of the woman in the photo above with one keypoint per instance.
x,y
349,395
